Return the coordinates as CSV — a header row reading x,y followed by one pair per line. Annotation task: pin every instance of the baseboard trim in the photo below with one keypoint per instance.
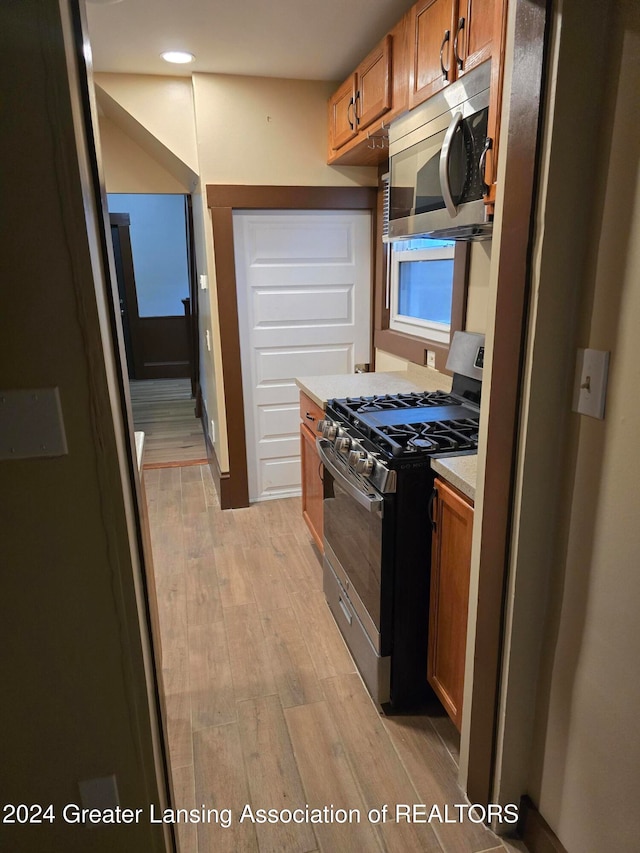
x,y
535,832
221,480
185,464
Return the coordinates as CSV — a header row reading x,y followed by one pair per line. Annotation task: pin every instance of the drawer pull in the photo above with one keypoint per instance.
x,y
309,417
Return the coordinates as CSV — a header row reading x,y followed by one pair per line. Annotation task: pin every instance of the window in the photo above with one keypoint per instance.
x,y
421,296
421,288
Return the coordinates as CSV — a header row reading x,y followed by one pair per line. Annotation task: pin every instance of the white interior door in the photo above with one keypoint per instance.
x,y
304,307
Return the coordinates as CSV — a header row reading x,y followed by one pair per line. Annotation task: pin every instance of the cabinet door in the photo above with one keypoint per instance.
x,y
473,35
433,30
373,82
342,114
449,597
312,487
495,97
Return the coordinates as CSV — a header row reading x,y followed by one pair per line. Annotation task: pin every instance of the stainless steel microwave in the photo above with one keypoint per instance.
x,y
436,164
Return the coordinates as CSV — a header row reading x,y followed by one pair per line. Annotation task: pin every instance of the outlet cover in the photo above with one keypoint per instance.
x,y
590,388
204,282
212,434
208,339
431,359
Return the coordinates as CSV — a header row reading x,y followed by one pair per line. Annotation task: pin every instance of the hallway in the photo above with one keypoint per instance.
x,y
263,702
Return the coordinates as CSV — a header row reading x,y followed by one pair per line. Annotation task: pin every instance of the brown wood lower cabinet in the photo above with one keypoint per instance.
x,y
312,487
449,601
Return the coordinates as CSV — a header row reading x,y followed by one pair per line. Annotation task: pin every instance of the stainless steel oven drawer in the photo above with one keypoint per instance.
x,y
375,670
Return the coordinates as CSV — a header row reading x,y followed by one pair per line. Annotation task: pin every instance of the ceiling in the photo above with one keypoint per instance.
x,y
303,39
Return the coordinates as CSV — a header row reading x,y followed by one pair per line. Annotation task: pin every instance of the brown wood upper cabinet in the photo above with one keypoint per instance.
x,y
363,97
450,37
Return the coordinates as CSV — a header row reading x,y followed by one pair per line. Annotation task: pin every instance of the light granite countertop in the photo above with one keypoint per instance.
x,y
460,471
323,388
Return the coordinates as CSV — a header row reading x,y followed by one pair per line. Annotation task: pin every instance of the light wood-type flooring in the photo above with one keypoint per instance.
x,y
164,410
264,704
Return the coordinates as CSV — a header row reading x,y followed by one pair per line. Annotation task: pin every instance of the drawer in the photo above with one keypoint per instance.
x,y
310,412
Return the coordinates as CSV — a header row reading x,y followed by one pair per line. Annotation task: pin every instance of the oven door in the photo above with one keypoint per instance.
x,y
358,534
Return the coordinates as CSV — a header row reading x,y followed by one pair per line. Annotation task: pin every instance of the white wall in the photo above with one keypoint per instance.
x,y
587,747
129,168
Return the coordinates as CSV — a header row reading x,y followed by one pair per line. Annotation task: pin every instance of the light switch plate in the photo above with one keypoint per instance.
x,y
31,424
204,282
590,388
207,336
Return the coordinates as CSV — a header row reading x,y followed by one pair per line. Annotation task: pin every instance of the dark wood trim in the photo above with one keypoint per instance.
x,y
222,482
411,347
222,223
519,190
535,832
238,196
123,257
194,309
222,200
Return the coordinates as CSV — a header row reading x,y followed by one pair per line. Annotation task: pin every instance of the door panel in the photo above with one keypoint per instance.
x,y
304,288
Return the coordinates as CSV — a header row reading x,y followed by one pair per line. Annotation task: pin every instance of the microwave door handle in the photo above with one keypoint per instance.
x,y
445,157
372,504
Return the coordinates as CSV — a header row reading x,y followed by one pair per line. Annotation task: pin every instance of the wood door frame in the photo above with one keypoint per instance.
x,y
519,194
194,316
122,223
222,200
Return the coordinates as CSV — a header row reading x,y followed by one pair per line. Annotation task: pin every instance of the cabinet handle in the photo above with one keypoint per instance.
x,y
459,61
355,107
432,500
482,163
351,123
445,71
309,417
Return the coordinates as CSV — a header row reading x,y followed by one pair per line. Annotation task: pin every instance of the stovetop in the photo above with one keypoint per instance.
x,y
408,426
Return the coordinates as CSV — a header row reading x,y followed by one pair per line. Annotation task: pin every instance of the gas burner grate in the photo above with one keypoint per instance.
x,y
432,437
385,402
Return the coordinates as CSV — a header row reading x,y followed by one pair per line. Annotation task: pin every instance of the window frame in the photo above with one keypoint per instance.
x,y
429,330
412,347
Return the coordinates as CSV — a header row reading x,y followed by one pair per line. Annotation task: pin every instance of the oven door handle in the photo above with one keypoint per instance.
x,y
369,502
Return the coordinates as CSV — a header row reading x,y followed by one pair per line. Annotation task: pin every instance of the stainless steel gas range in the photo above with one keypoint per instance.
x,y
378,481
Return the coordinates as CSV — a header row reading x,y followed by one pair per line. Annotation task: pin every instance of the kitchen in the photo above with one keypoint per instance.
x,y
472,265
473,295
570,826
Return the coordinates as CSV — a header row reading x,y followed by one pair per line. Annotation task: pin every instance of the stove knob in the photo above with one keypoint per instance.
x,y
328,428
365,466
355,456
343,444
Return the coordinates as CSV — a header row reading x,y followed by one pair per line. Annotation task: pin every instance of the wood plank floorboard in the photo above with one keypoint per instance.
x,y
164,410
263,703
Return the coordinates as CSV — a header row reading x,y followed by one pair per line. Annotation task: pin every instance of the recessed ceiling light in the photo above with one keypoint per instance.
x,y
180,57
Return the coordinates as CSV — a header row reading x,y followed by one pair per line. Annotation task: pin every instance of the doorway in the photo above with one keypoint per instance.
x,y
153,254
223,200
150,234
